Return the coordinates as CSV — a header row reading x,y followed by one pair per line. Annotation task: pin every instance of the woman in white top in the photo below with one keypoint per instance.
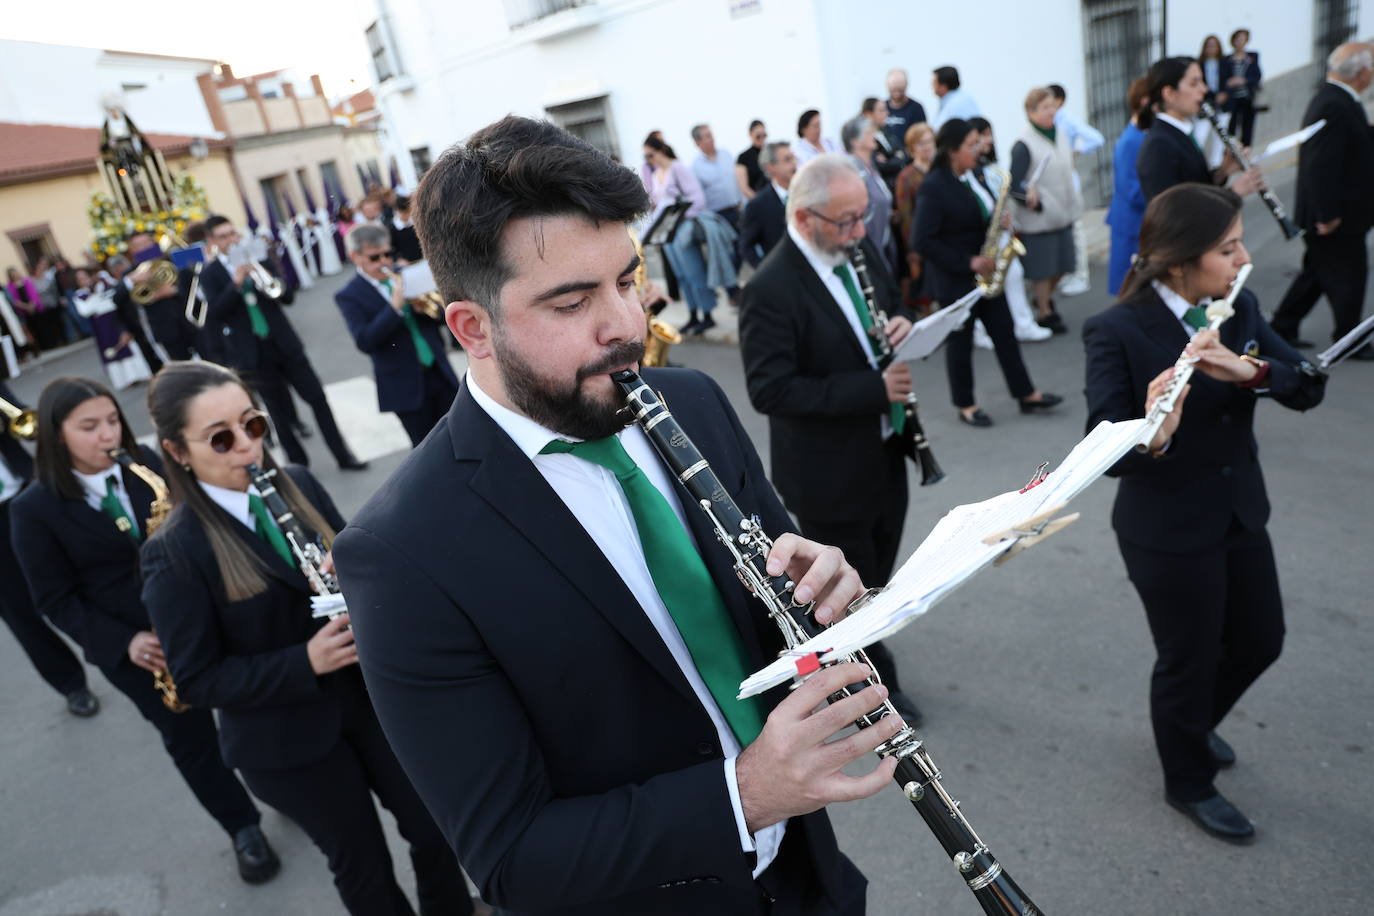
x,y
810,143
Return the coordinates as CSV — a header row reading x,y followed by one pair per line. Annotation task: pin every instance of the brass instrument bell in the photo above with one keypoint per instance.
x,y
23,423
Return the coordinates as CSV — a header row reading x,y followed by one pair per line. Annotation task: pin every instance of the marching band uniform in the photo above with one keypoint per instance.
x,y
309,745
261,343
1191,522
51,656
84,575
414,377
1170,155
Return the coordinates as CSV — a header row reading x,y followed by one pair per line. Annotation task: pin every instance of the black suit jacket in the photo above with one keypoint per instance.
x,y
947,231
530,699
127,311
380,332
762,226
806,370
228,323
15,455
1185,500
1168,157
245,658
1336,166
83,571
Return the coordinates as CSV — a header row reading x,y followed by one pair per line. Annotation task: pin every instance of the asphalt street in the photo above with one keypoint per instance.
x,y
1033,678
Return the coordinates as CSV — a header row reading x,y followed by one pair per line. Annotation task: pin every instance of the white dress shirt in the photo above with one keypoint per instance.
x,y
10,483
956,103
235,502
780,191
94,487
376,284
1178,305
594,496
835,286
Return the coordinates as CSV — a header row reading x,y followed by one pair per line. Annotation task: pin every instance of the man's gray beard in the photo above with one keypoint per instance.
x,y
570,411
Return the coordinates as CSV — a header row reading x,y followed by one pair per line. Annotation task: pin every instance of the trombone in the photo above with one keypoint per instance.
x,y
23,423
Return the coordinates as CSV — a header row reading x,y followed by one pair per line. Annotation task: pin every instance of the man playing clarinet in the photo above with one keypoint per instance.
x,y
552,639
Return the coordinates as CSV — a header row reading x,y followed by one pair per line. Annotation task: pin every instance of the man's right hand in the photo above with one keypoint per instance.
x,y
897,380
241,274
792,768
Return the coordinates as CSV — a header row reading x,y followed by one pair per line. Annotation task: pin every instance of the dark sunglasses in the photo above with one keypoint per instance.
x,y
222,440
374,258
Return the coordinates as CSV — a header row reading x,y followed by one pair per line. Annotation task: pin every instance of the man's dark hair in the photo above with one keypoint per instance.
x,y
214,222
1057,91
517,168
947,77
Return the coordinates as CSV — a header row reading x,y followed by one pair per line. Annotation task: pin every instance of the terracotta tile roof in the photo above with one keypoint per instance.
x,y
29,152
357,103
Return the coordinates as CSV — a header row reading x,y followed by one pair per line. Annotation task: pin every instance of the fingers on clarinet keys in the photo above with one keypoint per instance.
x,y
1218,817
82,703
257,861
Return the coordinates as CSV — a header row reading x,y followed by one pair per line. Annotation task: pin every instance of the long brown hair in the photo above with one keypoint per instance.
x,y
1180,226
169,397
59,398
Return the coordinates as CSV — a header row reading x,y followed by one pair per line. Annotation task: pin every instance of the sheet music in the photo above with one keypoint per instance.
x,y
327,605
1283,144
417,279
955,551
1347,345
927,334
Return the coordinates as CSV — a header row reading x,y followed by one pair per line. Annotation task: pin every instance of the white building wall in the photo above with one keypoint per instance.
x,y
1282,32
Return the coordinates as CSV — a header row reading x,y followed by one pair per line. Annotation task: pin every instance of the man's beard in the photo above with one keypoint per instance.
x,y
830,256
565,409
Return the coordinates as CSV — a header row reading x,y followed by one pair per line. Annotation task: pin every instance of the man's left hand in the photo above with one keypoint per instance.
x,y
822,575
897,329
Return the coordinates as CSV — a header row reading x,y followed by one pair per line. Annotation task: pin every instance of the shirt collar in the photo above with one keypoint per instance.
x,y
400,223
376,284
1185,126
235,502
95,483
1348,88
780,191
530,437
1176,303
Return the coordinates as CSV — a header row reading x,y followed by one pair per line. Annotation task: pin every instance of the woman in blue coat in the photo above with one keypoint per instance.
x,y
1128,202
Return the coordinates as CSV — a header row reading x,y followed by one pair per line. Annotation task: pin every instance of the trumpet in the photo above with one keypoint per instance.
x,y
269,285
430,304
23,423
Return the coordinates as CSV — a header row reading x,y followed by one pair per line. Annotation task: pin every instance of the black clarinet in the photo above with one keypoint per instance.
x,y
306,549
918,444
747,543
1289,228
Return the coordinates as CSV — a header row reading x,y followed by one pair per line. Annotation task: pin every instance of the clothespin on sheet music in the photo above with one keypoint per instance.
x,y
1038,477
1032,531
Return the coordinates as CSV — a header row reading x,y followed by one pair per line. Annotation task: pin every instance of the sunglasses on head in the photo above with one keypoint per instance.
x,y
222,440
374,258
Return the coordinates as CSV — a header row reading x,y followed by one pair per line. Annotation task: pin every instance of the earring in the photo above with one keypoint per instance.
x,y
186,467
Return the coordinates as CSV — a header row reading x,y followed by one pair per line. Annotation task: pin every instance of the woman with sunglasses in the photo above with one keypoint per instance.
x,y
953,208
77,532
1190,515
233,611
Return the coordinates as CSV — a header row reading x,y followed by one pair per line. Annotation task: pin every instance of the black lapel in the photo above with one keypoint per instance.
x,y
1186,142
97,522
1162,326
275,565
508,482
820,298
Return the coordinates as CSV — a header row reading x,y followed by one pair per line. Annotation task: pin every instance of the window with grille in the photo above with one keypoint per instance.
x,y
382,59
1334,26
523,12
589,119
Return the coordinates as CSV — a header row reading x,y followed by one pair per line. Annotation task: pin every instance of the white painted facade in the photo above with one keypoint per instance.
x,y
61,84
667,64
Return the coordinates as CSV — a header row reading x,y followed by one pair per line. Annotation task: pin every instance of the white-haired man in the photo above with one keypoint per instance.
x,y
836,425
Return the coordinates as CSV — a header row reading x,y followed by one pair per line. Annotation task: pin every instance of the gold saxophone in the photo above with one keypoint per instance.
x,y
661,335
993,249
157,514
23,423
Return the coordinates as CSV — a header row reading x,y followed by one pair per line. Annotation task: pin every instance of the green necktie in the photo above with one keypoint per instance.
x,y
255,316
1196,317
423,351
683,582
115,510
982,207
896,412
266,528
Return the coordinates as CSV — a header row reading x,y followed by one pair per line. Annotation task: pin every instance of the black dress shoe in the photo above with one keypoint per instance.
x,y
302,430
703,326
1054,323
353,464
81,702
1218,817
1046,401
1222,753
909,711
689,327
977,418
257,861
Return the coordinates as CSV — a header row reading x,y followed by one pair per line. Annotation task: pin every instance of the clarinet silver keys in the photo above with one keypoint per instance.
x,y
307,551
749,547
1289,228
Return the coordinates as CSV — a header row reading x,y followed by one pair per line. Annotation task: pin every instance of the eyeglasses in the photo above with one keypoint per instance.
x,y
374,258
844,226
223,440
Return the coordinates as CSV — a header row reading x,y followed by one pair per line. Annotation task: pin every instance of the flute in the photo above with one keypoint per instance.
x,y
1217,313
1289,228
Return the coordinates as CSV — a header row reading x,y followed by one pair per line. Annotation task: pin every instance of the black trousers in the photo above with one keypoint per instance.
x,y
1336,265
1242,122
278,369
331,799
870,545
54,660
996,317
438,398
192,741
1217,620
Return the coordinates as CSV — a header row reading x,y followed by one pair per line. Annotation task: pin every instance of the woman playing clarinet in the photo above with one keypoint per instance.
x,y
1190,512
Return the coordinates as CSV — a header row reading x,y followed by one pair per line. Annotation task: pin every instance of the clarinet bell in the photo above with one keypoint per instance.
x,y
930,468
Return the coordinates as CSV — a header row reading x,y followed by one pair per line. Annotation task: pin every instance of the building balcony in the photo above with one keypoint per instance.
x,y
541,20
